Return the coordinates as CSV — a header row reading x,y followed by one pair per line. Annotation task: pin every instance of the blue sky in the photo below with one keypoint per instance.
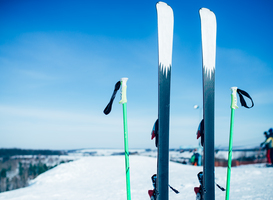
x,y
60,60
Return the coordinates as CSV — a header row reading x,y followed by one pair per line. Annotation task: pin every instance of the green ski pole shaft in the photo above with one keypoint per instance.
x,y
126,151
233,107
229,154
123,101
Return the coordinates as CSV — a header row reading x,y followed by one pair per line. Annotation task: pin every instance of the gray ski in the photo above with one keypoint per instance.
x,y
165,45
208,31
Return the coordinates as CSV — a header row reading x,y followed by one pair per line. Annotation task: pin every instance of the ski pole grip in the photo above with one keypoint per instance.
x,y
123,90
233,98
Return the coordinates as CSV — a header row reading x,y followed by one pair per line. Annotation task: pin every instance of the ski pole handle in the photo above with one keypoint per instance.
x,y
233,98
123,90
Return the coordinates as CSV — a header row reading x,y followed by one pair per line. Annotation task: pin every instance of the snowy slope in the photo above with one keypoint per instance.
x,y
103,178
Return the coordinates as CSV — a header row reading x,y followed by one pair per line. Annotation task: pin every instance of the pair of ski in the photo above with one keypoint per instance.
x,y
165,39
165,43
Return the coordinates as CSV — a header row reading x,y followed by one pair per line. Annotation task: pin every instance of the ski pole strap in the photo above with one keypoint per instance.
x,y
221,188
243,93
108,108
176,191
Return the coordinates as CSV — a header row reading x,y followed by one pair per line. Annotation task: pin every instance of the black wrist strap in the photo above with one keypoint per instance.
x,y
243,93
108,108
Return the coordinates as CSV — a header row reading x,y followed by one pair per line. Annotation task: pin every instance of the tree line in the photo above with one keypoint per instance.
x,y
16,151
17,168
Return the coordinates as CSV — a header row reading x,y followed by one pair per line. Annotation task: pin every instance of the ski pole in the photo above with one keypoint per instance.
x,y
123,101
241,93
233,107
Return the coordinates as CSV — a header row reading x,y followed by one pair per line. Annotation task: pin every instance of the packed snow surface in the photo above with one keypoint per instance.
x,y
103,178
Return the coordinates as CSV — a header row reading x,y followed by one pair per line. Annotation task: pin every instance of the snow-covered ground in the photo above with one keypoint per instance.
x,y
103,178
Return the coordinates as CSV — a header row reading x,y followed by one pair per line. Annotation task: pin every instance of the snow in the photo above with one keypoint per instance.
x,y
103,177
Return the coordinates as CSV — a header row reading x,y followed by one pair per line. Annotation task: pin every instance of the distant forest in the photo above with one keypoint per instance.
x,y
19,166
24,152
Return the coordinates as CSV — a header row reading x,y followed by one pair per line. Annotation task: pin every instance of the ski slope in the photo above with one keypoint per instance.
x,y
103,178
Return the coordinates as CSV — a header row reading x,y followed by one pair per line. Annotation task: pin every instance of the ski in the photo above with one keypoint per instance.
x,y
165,44
208,32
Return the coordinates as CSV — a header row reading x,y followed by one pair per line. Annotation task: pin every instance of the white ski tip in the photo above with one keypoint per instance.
x,y
206,10
208,29
165,35
207,15
161,3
